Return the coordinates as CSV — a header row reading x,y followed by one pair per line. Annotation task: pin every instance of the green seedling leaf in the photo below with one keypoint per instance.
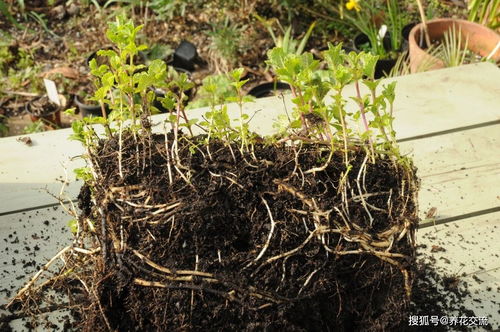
x,y
232,99
73,226
368,63
276,57
70,111
334,56
389,92
237,74
167,102
115,62
248,99
78,131
107,53
95,120
83,174
98,71
296,124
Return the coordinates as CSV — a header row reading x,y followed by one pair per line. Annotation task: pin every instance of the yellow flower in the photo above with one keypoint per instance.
x,y
353,4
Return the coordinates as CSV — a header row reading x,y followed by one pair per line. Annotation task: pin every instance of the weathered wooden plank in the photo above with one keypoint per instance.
x,y
445,99
47,321
29,240
467,246
28,172
460,172
470,250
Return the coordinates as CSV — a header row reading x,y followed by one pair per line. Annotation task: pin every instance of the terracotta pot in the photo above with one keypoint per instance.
x,y
481,40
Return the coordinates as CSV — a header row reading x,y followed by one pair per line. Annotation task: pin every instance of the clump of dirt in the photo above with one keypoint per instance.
x,y
274,239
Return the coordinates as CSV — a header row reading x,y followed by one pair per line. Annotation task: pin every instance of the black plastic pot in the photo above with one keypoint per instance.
x,y
89,109
405,32
41,108
384,67
268,89
361,39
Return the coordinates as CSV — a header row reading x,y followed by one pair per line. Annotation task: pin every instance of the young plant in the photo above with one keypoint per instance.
x,y
286,41
218,123
453,51
314,118
205,95
127,90
237,83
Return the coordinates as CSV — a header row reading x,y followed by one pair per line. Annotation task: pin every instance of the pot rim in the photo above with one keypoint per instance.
x,y
412,38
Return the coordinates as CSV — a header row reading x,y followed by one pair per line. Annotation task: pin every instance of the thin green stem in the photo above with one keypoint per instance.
x,y
363,116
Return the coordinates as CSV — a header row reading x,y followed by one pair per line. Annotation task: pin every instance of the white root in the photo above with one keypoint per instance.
x,y
363,202
169,169
87,251
273,225
120,149
308,280
323,167
303,244
37,275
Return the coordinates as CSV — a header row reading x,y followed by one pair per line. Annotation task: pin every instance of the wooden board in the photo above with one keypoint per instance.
x,y
470,250
459,172
29,240
28,172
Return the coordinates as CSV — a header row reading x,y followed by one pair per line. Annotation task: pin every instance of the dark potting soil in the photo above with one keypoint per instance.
x,y
246,241
184,250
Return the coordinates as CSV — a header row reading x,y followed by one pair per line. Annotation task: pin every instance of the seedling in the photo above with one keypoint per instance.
x,y
286,40
313,119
